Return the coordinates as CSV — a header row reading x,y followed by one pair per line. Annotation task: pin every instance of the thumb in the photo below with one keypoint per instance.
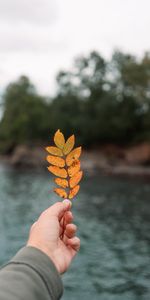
x,y
59,208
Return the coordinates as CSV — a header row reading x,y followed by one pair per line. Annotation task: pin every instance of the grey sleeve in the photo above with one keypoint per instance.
x,y
30,275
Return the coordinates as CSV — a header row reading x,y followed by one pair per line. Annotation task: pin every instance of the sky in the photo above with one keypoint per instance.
x,y
38,38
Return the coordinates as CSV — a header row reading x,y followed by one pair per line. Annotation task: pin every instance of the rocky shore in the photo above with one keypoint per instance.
x,y
107,159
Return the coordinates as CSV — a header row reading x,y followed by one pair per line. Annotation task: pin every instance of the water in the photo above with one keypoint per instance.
x,y
113,219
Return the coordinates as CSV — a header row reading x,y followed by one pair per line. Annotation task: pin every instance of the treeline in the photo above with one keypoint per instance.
x,y
99,101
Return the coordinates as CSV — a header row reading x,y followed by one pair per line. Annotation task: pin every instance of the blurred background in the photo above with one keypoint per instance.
x,y
83,67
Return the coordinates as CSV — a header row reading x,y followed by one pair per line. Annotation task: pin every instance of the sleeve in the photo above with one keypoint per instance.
x,y
30,275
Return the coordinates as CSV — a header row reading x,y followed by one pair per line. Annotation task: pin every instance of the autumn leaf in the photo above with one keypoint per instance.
x,y
59,139
61,182
73,192
69,145
73,155
60,192
75,179
58,171
56,161
74,168
65,164
54,151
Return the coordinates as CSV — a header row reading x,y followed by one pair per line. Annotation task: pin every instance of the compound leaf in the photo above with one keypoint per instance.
x,y
65,164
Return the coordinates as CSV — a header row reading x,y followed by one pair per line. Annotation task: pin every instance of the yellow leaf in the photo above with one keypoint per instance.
x,y
73,155
69,144
75,179
74,168
61,182
60,192
58,171
54,151
59,139
65,165
56,161
74,191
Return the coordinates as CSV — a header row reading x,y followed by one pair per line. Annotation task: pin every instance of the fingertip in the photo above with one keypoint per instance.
x,y
67,203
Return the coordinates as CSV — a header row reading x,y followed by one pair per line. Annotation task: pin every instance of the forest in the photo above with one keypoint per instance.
x,y
100,101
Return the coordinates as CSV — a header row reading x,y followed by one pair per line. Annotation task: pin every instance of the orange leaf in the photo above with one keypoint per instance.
x,y
56,161
58,171
59,139
74,191
75,179
74,168
60,192
69,144
61,182
73,155
54,150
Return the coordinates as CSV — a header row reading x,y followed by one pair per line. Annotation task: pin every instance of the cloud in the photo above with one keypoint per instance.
x,y
25,39
28,11
40,37
28,26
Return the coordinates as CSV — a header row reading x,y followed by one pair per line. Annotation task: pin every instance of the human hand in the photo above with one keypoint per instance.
x,y
54,234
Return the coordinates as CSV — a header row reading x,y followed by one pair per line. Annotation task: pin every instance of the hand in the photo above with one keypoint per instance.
x,y
54,234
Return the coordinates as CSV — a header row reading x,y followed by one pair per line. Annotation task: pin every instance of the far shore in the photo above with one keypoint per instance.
x,y
108,159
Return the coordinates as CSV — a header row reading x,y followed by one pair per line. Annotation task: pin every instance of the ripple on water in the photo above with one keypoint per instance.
x,y
113,218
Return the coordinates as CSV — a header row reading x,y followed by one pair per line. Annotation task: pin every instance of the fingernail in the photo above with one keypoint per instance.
x,y
67,202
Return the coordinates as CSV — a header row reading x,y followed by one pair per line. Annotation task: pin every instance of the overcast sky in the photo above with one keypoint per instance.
x,y
40,37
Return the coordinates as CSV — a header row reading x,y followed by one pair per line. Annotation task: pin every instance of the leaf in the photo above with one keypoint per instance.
x,y
61,182
60,192
74,168
69,144
54,151
59,139
73,155
74,191
58,171
75,179
56,161
65,165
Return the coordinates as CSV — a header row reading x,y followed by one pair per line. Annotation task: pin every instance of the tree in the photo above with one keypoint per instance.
x,y
25,115
100,101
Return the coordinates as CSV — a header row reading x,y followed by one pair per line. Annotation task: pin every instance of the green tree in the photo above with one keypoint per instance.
x,y
25,115
100,101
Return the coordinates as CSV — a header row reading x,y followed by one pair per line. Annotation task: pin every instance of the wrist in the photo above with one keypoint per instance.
x,y
46,251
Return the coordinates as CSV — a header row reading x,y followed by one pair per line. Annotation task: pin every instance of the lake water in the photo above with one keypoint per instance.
x,y
113,219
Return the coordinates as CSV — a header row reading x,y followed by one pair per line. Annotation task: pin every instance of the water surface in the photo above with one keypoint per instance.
x,y
113,219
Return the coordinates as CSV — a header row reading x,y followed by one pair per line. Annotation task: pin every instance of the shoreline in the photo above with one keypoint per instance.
x,y
108,160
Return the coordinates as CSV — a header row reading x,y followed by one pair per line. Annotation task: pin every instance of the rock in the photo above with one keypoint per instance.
x,y
29,157
107,159
130,171
138,155
92,161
